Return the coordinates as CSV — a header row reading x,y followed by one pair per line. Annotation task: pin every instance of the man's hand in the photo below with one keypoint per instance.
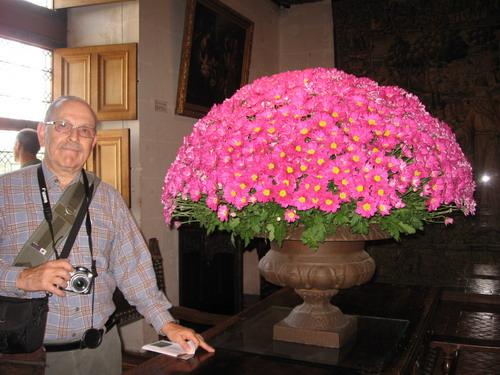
x,y
47,277
180,335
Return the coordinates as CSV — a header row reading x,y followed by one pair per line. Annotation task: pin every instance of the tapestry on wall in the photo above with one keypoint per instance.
x,y
447,52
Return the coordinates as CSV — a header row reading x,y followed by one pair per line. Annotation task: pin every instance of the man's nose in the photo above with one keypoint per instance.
x,y
73,134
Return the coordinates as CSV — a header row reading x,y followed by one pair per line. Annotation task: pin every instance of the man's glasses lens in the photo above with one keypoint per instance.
x,y
67,127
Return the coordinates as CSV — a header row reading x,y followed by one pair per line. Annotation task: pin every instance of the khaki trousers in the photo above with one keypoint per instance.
x,y
105,359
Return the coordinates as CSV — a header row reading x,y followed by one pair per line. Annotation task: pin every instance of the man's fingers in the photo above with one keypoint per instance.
x,y
46,277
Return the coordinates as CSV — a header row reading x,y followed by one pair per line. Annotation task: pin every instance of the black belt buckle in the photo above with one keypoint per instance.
x,y
92,338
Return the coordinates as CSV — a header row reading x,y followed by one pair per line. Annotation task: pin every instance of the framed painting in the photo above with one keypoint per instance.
x,y
215,56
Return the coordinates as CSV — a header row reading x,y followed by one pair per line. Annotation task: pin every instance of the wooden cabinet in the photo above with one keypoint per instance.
x,y
110,160
105,76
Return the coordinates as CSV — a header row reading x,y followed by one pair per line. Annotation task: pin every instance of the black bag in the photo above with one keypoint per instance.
x,y
22,324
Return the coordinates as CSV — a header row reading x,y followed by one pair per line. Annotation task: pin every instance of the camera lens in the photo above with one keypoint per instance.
x,y
80,284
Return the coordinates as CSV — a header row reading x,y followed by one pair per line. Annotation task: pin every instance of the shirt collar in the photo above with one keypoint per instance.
x,y
52,180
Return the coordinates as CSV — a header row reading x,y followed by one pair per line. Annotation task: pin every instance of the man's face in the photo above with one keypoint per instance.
x,y
67,153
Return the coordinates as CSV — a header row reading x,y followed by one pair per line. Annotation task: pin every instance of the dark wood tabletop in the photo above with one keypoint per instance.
x,y
412,306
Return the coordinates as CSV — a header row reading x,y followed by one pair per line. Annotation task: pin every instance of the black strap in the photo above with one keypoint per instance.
x,y
47,211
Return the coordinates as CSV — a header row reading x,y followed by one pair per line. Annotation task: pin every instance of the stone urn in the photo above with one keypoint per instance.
x,y
317,275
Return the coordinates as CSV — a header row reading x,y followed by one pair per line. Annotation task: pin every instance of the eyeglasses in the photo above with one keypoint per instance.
x,y
66,127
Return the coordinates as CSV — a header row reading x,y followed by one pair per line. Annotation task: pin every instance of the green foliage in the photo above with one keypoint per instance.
x,y
268,220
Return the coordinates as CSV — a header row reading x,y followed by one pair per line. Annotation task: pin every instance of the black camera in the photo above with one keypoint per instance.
x,y
81,280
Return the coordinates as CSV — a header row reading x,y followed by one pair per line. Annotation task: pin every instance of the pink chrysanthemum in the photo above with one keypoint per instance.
x,y
319,139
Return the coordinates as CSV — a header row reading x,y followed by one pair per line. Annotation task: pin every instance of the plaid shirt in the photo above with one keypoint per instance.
x,y
122,258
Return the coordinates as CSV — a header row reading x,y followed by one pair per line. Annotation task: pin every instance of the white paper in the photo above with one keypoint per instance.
x,y
170,348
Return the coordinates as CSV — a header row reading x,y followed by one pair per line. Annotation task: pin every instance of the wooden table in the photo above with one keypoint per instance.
x,y
412,306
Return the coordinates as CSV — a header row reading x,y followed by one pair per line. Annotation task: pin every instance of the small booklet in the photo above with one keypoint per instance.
x,y
170,348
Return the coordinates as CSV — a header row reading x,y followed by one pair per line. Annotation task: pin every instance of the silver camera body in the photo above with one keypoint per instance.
x,y
81,280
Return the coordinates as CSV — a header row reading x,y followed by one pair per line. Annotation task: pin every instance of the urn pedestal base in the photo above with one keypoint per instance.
x,y
328,339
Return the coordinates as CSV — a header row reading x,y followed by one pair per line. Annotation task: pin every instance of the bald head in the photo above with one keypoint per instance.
x,y
56,105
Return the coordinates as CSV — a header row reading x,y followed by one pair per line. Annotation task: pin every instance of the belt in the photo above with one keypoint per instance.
x,y
80,344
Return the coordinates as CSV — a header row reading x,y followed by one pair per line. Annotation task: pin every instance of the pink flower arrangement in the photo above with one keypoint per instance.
x,y
318,148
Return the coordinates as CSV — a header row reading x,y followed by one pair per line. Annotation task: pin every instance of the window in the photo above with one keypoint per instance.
x,y
26,76
42,3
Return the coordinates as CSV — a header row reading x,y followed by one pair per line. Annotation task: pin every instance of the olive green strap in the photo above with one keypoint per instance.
x,y
39,247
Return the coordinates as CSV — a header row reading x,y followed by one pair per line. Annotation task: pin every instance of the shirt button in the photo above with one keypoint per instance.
x,y
77,309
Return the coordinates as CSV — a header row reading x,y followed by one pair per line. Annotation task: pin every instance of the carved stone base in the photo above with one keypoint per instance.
x,y
317,275
329,339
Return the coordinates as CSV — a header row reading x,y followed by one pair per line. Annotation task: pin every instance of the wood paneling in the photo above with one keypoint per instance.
x,y
73,69
110,160
105,76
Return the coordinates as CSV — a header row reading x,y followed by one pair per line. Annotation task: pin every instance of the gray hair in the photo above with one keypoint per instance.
x,y
57,103
28,139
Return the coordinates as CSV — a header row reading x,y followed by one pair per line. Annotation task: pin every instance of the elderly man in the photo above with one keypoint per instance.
x,y
114,243
26,147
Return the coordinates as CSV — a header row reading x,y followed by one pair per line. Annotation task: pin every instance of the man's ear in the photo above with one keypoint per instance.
x,y
40,130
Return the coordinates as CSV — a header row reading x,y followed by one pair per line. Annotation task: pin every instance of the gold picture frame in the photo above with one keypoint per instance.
x,y
215,58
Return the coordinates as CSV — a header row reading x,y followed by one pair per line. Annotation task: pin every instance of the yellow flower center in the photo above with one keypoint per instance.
x,y
282,193
266,192
367,206
270,166
322,123
377,178
336,170
360,188
381,192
